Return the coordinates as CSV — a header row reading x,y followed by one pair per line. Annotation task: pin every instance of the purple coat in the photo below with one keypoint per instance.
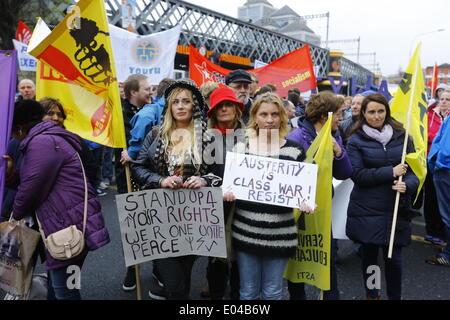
x,y
52,186
305,135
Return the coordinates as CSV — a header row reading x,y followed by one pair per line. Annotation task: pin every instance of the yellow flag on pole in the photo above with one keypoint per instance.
x,y
410,104
78,68
311,262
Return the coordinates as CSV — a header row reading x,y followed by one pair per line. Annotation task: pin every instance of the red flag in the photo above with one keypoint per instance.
x,y
23,33
293,70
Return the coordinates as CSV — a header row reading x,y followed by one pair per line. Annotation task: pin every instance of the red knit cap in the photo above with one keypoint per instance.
x,y
220,95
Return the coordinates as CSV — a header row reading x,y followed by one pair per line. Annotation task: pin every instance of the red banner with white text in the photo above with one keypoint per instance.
x,y
293,70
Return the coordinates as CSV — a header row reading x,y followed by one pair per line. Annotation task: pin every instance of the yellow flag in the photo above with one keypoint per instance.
x,y
79,70
411,94
311,262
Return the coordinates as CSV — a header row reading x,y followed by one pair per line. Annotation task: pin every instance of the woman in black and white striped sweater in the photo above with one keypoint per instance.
x,y
265,236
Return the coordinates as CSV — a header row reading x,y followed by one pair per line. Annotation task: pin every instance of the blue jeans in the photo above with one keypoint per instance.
x,y
442,183
260,275
57,285
393,269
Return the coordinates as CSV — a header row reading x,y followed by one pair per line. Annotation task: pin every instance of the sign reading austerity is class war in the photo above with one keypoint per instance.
x,y
293,70
311,261
271,181
79,49
165,223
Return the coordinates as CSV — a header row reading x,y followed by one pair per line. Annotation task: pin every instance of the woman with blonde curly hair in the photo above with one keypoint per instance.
x,y
265,236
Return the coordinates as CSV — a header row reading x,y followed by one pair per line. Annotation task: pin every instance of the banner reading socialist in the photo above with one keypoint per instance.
x,y
293,70
79,48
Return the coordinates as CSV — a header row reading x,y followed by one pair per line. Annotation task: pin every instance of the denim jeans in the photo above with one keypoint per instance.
x,y
260,275
57,285
433,222
442,183
393,269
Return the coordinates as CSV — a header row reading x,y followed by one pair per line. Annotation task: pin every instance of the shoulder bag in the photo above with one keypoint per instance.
x,y
69,242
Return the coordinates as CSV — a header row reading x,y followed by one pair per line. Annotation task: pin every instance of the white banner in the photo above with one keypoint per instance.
x,y
165,223
151,55
342,191
269,180
26,61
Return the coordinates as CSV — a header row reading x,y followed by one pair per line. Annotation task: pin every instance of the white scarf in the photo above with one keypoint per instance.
x,y
383,136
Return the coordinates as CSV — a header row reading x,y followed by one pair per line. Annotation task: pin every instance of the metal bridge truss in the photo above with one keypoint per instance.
x,y
223,34
215,31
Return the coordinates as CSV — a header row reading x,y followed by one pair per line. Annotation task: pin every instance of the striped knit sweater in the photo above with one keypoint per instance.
x,y
267,230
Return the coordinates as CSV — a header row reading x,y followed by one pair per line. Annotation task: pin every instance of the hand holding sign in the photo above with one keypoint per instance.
x,y
174,182
307,209
194,182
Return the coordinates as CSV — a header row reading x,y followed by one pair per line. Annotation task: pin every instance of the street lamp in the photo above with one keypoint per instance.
x,y
420,35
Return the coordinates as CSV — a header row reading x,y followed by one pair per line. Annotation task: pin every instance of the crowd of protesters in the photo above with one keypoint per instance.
x,y
47,168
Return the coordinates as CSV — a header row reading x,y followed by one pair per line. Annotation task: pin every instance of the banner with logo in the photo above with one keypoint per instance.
x,y
152,55
409,105
23,33
8,78
80,50
311,261
293,70
26,61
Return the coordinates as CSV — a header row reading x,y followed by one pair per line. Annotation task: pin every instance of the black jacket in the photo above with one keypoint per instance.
x,y
372,200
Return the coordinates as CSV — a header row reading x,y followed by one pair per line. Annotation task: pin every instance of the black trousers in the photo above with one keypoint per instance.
x,y
433,220
175,274
218,273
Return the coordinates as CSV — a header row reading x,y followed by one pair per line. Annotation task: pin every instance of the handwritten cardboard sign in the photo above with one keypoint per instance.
x,y
269,180
165,223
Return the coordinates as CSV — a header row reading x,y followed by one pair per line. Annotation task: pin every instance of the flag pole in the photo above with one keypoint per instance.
x,y
405,146
433,81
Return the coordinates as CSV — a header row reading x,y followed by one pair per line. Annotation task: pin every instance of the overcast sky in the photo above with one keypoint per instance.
x,y
388,27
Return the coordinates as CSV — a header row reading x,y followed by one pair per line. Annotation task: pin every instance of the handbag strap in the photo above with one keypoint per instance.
x,y
85,195
85,202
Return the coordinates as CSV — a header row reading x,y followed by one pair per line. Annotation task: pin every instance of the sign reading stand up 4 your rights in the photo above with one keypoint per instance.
x,y
270,180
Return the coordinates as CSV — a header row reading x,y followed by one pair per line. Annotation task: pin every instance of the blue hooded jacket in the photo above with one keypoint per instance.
x,y
440,150
142,123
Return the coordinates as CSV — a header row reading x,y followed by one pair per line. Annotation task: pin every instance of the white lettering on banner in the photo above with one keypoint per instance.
x,y
268,180
165,223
